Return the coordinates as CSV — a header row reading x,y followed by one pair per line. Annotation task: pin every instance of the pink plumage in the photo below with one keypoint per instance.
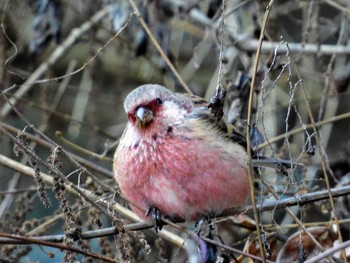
x,y
172,158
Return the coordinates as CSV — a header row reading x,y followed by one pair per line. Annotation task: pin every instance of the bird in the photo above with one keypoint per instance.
x,y
174,158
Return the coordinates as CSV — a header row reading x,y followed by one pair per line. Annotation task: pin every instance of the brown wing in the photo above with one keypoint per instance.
x,y
202,111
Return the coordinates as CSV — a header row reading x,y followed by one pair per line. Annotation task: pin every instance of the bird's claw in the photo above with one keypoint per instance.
x,y
156,217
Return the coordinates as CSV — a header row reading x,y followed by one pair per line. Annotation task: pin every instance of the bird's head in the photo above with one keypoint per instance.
x,y
152,106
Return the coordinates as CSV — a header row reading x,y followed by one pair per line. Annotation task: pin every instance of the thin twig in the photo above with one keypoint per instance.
x,y
74,146
321,152
249,122
266,206
12,57
66,117
296,200
299,200
8,199
30,240
328,252
50,166
56,54
296,219
158,47
93,198
248,44
338,6
82,161
268,47
53,169
232,249
114,230
301,129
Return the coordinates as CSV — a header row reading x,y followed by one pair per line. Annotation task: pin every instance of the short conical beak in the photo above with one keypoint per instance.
x,y
143,116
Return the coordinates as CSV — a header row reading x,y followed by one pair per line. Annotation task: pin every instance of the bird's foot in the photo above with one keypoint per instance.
x,y
199,225
203,223
208,251
156,217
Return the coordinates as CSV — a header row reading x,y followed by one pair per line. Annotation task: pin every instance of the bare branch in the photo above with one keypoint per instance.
x,y
30,240
56,54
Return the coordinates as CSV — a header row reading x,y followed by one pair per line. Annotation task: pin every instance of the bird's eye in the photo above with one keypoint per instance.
x,y
159,101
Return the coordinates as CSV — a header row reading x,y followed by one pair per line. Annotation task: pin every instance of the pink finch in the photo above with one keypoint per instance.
x,y
173,158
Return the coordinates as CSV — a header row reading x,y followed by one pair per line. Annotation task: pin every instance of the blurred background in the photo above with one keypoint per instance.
x,y
67,66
